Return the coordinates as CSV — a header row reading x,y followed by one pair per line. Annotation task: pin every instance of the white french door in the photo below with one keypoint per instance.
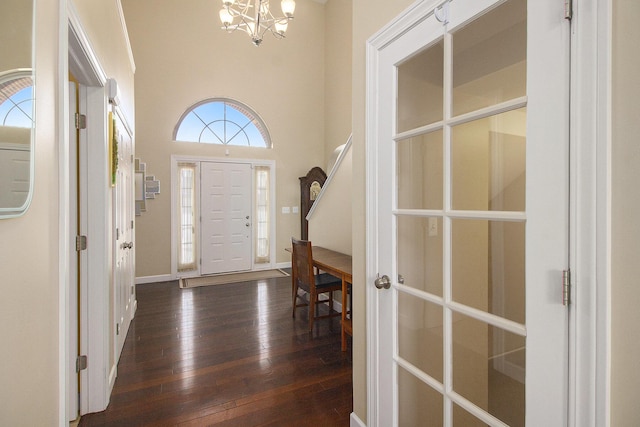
x,y
468,156
226,223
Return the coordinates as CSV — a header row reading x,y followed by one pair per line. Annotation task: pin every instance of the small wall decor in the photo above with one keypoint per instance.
x,y
147,187
113,149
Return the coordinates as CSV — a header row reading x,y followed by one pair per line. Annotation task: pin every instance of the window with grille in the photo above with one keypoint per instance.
x,y
187,212
222,121
262,214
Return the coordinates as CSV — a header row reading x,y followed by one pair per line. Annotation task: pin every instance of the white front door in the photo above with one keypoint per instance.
x,y
225,206
123,251
468,175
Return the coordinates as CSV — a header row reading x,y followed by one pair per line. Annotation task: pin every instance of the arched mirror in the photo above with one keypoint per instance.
x,y
17,125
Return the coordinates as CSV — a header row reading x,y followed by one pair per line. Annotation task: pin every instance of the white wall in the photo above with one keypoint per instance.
x,y
330,221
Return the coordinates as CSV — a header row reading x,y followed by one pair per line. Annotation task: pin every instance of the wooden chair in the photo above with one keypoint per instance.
x,y
304,277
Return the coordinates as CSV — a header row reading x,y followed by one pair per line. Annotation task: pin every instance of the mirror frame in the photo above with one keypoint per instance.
x,y
16,211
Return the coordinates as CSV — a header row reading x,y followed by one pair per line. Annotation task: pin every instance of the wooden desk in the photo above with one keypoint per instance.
x,y
339,265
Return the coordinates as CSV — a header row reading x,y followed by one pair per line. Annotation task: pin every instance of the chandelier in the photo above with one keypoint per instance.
x,y
255,17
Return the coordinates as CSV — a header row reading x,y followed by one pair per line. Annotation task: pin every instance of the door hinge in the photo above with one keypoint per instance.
x,y
81,363
81,121
132,224
568,9
81,243
566,287
117,234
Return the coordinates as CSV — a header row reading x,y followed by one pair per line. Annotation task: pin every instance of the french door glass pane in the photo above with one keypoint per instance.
x,y
488,163
420,88
489,368
420,168
489,58
420,252
488,266
420,334
418,404
462,418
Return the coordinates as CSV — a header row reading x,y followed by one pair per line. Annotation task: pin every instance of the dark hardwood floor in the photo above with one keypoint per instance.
x,y
228,355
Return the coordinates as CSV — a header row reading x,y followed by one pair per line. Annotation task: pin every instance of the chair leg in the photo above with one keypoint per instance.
x,y
295,298
312,309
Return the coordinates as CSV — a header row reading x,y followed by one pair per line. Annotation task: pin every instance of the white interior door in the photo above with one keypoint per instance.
x,y
468,176
124,290
226,223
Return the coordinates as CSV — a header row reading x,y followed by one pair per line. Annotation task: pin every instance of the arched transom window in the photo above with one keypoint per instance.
x,y
16,99
222,121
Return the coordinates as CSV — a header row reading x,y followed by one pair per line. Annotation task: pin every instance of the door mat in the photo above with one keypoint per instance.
x,y
222,279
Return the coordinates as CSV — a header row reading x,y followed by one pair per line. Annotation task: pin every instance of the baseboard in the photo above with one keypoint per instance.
x,y
283,265
355,421
154,279
113,373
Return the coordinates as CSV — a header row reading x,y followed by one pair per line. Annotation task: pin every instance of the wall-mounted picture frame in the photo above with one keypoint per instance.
x,y
113,149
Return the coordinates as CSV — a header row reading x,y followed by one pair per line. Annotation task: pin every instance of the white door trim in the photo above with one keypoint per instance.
x,y
175,159
589,403
590,214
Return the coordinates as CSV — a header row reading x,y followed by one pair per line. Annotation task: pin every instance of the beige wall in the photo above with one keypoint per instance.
x,y
183,57
373,15
29,264
625,239
15,29
337,58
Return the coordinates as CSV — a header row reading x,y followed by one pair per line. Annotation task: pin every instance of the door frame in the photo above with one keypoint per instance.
x,y
175,159
589,247
77,56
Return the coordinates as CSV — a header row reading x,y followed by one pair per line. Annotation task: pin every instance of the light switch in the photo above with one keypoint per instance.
x,y
285,209
294,209
433,226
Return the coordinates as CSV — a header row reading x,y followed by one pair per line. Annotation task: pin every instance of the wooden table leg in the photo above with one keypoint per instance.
x,y
344,314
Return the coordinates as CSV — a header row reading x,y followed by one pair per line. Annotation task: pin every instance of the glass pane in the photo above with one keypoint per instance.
x,y
488,266
420,89
418,404
419,171
420,334
489,58
488,163
489,368
420,253
462,418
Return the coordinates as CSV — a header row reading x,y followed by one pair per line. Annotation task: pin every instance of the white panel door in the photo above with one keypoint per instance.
x,y
468,176
225,206
124,289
